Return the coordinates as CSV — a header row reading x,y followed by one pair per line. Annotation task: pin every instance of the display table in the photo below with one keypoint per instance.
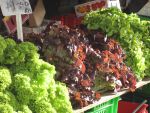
x,y
110,95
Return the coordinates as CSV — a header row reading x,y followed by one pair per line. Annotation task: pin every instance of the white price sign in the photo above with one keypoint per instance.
x,y
16,7
114,3
22,6
84,8
7,7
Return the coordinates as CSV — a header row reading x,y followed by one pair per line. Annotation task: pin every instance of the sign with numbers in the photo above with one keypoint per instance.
x,y
7,7
14,7
22,6
84,8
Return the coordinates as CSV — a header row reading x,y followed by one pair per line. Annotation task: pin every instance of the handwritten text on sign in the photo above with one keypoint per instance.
x,y
13,7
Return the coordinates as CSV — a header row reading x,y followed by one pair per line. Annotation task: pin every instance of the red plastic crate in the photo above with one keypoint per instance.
x,y
129,107
70,20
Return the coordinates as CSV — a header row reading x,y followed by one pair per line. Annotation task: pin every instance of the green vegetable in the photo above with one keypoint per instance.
x,y
7,97
5,78
132,33
62,94
24,109
22,88
27,83
6,108
3,46
42,106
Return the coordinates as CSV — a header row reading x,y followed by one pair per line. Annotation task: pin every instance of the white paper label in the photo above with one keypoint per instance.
x,y
22,6
114,3
7,7
14,7
82,9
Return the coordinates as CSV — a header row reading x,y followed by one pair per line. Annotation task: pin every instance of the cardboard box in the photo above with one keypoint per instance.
x,y
145,11
37,17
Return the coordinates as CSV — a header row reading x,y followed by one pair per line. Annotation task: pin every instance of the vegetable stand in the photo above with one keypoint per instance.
x,y
111,95
71,67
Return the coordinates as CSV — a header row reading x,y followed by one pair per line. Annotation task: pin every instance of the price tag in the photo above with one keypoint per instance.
x,y
82,9
114,3
7,7
22,6
16,7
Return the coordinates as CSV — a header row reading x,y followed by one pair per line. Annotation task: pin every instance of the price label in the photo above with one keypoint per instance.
x,y
14,7
7,7
22,6
82,9
114,3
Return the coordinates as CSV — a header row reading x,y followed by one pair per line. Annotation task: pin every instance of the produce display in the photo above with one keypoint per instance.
x,y
108,53
87,61
110,64
62,47
27,83
132,33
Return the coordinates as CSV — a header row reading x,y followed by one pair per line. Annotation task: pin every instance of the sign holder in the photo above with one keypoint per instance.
x,y
19,27
16,7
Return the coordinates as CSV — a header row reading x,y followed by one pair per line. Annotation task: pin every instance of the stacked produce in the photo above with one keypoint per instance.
x,y
110,64
87,62
133,35
63,48
27,83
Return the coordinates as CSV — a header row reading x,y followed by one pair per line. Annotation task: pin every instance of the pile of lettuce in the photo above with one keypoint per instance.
x,y
132,33
87,61
27,83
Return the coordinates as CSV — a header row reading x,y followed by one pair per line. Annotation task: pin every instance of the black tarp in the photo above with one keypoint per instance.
x,y
61,7
134,6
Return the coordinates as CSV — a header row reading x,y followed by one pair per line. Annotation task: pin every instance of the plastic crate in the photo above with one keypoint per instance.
x,y
130,107
137,97
107,107
145,18
70,20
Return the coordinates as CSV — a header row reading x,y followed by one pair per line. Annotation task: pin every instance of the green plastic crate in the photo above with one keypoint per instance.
x,y
144,91
144,18
110,106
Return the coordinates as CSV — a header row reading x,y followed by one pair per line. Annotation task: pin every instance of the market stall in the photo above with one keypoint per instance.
x,y
73,57
109,96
